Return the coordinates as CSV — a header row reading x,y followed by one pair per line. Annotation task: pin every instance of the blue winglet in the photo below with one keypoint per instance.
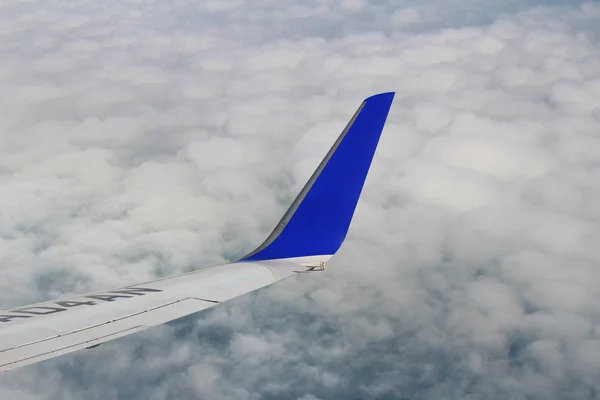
x,y
317,221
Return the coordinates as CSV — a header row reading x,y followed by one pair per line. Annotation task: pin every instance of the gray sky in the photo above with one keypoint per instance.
x,y
146,138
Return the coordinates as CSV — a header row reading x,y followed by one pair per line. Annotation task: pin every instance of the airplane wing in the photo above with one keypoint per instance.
x,y
310,233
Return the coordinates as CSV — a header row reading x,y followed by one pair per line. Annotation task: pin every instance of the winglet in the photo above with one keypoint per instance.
x,y
317,221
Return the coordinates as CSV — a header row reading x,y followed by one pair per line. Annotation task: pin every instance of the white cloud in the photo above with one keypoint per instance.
x,y
147,138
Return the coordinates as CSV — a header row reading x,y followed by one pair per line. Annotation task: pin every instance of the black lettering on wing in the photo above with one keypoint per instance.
x,y
125,293
8,318
69,304
107,297
38,310
136,291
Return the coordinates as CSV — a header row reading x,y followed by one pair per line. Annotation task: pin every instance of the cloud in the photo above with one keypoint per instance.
x,y
141,139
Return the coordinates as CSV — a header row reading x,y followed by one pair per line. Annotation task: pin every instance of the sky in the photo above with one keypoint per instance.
x,y
146,138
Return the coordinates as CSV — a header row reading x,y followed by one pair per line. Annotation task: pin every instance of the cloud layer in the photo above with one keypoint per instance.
x,y
140,139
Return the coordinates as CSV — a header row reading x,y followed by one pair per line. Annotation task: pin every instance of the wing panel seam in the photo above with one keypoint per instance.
x,y
66,347
96,326
207,300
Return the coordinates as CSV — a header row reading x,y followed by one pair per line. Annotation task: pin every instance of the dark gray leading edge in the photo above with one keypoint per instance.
x,y
294,206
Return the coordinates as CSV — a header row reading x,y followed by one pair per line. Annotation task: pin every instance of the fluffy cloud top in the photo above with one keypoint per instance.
x,y
145,138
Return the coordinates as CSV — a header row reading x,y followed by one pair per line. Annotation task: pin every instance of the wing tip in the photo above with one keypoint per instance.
x,y
317,221
381,96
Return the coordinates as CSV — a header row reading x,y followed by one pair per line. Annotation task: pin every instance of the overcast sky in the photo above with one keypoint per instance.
x,y
145,138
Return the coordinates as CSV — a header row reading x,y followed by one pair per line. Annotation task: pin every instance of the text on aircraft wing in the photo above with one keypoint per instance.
x,y
310,232
40,331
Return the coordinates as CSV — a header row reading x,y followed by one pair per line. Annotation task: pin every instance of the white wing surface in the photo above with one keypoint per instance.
x,y
309,233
